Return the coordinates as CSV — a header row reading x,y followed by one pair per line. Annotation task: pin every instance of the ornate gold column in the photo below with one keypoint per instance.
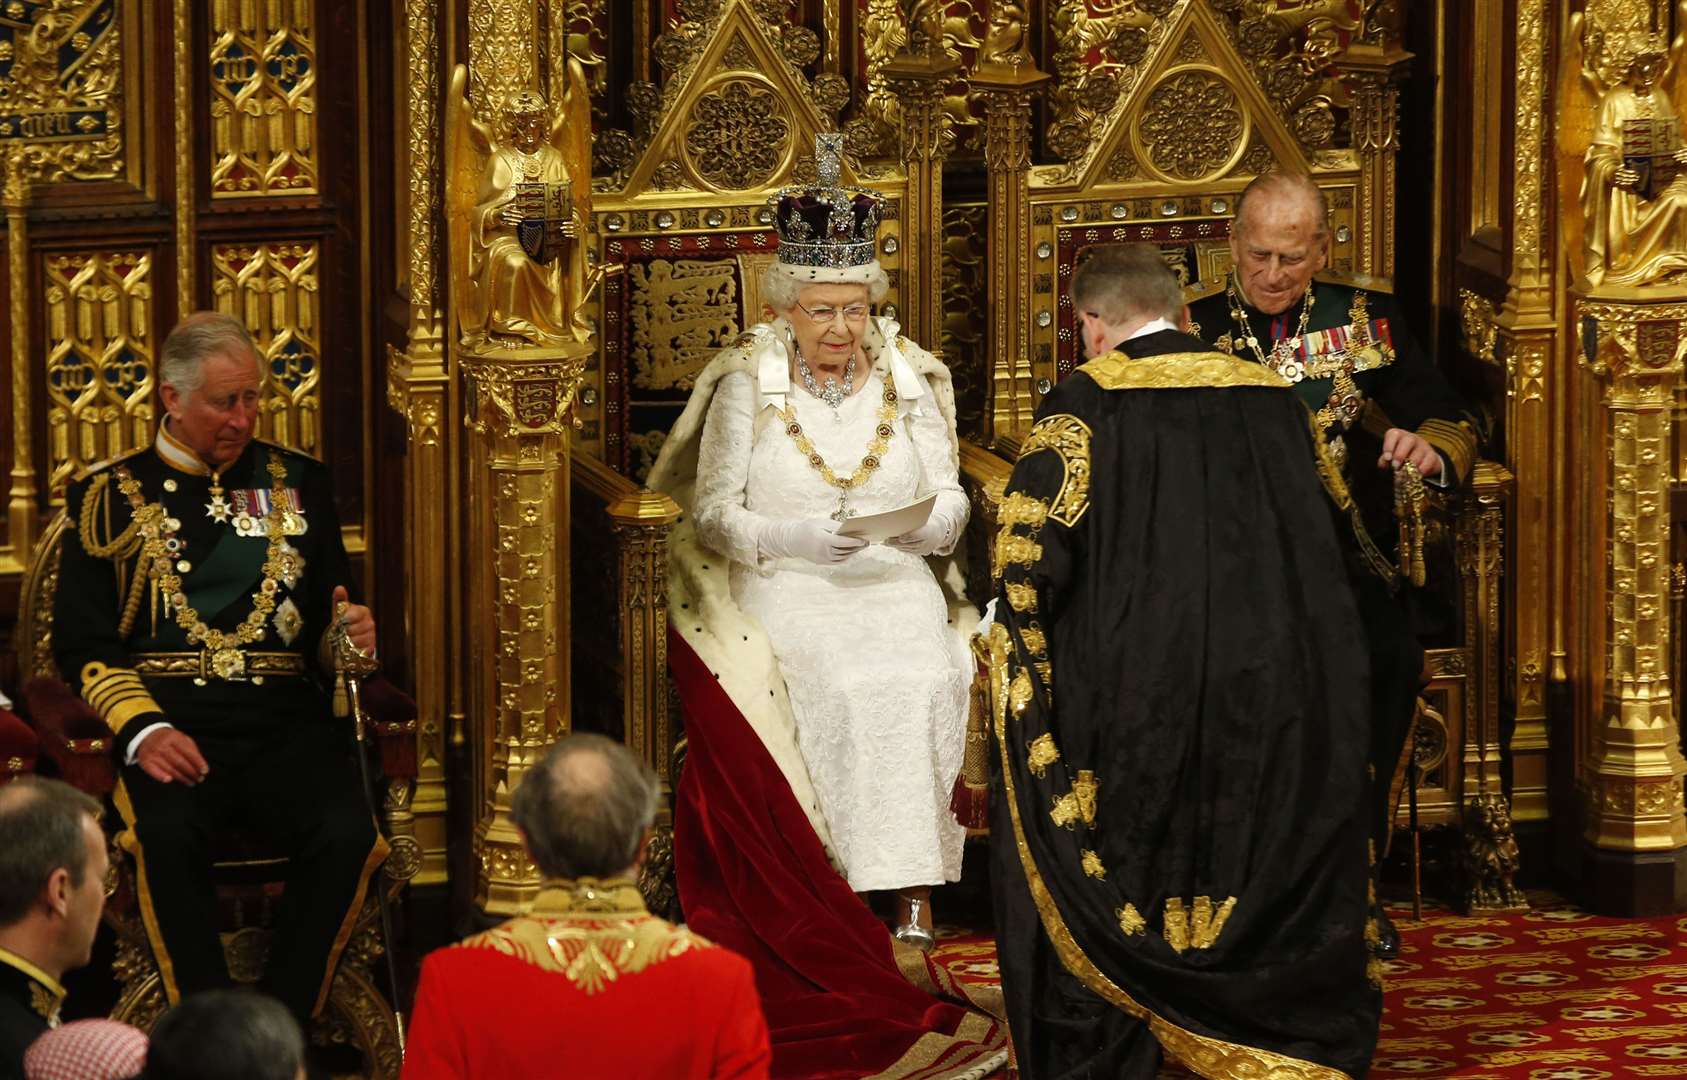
x,y
418,384
1527,331
185,179
22,513
518,605
1481,553
918,81
1007,79
1634,782
1376,71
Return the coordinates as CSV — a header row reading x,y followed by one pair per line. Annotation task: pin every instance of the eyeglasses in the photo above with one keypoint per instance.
x,y
823,316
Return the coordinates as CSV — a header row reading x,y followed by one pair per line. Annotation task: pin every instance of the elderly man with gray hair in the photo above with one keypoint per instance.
x,y
200,579
573,986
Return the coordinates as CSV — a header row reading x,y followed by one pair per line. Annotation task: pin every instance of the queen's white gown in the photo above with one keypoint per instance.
x,y
878,691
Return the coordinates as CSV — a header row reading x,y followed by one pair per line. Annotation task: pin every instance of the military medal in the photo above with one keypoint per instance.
x,y
217,509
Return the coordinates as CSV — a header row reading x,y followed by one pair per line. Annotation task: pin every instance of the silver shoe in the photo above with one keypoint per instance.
x,y
912,933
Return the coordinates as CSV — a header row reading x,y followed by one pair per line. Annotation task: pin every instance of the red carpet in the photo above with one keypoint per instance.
x,y
1554,994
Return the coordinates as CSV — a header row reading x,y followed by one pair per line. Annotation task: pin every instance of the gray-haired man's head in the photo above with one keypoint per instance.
x,y
584,809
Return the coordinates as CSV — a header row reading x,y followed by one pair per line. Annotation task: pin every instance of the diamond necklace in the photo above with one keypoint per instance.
x,y
832,394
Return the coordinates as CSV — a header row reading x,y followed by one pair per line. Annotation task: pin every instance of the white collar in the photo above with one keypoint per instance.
x,y
1152,327
177,454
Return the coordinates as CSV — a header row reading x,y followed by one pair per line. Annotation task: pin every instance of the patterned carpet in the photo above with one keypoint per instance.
x,y
1553,994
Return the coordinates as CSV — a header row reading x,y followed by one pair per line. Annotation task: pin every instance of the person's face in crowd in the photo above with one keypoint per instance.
x,y
216,420
1277,247
828,321
80,905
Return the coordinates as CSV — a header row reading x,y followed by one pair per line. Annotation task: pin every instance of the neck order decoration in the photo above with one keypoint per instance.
x,y
882,432
158,530
1282,357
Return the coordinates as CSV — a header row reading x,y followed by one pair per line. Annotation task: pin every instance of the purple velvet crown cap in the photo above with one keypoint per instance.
x,y
826,227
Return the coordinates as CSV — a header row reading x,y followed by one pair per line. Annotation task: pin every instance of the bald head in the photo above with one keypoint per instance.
x,y
1279,240
584,809
1278,195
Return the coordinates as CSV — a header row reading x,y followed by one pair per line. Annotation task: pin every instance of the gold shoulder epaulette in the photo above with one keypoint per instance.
x,y
1200,290
285,449
98,466
1355,281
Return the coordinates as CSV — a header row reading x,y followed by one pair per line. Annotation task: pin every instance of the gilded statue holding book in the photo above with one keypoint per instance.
x,y
525,279
1634,189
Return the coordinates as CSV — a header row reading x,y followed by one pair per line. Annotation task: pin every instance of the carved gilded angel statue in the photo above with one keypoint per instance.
x,y
525,278
1634,188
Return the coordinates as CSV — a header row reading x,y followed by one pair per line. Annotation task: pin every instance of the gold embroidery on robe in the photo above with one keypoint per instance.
x,y
592,942
1022,597
1034,641
1092,865
1012,548
1131,920
1065,812
1198,925
1069,438
1019,692
1041,753
1084,788
1175,929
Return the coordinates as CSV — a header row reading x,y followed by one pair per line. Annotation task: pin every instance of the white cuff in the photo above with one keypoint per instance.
x,y
140,737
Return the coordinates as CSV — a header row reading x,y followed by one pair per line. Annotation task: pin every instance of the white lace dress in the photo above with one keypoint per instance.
x,y
879,693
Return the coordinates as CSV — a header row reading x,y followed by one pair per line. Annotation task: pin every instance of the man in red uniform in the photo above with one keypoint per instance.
x,y
588,983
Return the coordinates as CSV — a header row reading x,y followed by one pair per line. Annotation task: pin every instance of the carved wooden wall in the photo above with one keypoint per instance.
x,y
173,156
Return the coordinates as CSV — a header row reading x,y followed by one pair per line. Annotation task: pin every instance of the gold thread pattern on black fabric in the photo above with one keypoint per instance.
x,y
1034,640
1177,371
1455,439
1069,438
1093,866
1065,812
1021,596
1041,752
1205,1055
1175,928
1084,788
1131,920
1019,508
1019,692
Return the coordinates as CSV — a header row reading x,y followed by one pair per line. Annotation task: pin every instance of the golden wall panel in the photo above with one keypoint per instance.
x,y
263,98
99,371
62,87
682,312
272,289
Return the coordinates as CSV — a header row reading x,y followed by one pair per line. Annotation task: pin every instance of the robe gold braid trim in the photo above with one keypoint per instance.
x,y
1205,1055
117,694
592,944
1093,866
1019,508
1069,438
1078,804
1012,548
1034,640
1021,596
1196,926
1178,371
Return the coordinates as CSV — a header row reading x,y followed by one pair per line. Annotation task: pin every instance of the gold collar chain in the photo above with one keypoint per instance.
x,y
1282,357
158,529
882,433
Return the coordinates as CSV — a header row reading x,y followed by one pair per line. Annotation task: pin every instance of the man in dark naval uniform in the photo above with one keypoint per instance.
x,y
197,591
52,890
1380,403
1180,715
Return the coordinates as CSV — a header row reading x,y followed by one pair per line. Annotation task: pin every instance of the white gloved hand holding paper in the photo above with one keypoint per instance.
x,y
817,541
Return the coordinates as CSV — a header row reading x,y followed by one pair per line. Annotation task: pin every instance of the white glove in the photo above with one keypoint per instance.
x,y
924,540
816,541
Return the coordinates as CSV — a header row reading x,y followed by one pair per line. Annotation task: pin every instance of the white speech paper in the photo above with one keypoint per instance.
x,y
881,527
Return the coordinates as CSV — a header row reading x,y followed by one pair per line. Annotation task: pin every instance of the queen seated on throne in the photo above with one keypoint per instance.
x,y
844,656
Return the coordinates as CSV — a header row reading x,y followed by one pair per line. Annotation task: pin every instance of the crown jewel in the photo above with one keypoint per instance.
x,y
826,224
